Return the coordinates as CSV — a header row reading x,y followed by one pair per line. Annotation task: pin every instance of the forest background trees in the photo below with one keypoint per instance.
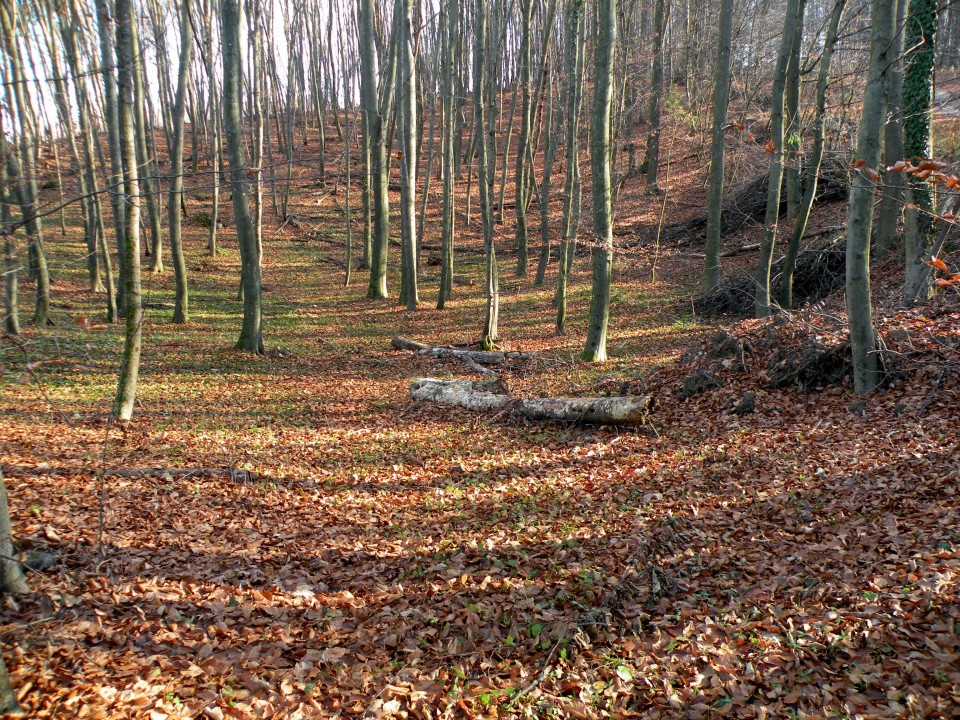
x,y
148,104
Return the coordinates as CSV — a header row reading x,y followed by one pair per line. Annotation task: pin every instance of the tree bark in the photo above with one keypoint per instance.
x,y
11,315
449,12
595,349
721,98
810,192
891,203
251,333
181,311
919,37
150,185
115,178
407,112
661,17
573,72
521,176
27,176
484,138
777,153
866,367
130,367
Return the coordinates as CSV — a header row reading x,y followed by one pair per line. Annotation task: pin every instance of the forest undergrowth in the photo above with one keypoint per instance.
x,y
290,536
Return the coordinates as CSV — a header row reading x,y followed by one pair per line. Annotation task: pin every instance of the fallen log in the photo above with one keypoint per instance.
x,y
493,397
489,357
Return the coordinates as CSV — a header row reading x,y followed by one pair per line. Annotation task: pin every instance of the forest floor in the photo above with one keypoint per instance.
x,y
389,558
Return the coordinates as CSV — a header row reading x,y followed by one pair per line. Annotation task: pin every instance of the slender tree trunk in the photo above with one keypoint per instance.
x,y
91,152
792,142
521,177
661,18
407,120
552,141
866,366
12,581
251,333
449,12
149,185
11,315
484,136
891,204
215,149
130,367
27,176
374,131
721,98
595,349
181,309
777,153
813,172
919,37
573,74
115,178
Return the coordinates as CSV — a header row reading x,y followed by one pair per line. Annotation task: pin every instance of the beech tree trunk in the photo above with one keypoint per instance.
x,y
115,178
130,367
181,311
27,176
595,349
661,18
449,19
12,582
573,61
721,98
407,112
866,366
810,192
251,333
891,204
484,137
919,37
11,314
521,177
777,154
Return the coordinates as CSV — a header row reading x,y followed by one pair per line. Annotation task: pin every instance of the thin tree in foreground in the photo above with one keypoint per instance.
x,y
12,582
919,37
813,172
115,178
11,314
891,204
26,168
863,344
573,59
721,98
596,346
777,154
448,28
488,337
181,309
251,333
661,19
522,174
407,112
130,367
375,134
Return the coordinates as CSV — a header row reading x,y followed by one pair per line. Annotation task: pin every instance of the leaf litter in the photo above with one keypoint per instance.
x,y
364,556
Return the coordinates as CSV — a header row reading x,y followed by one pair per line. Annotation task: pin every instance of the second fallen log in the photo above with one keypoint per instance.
x,y
492,396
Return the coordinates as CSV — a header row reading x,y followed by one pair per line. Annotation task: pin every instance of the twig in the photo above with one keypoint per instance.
x,y
542,675
933,391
